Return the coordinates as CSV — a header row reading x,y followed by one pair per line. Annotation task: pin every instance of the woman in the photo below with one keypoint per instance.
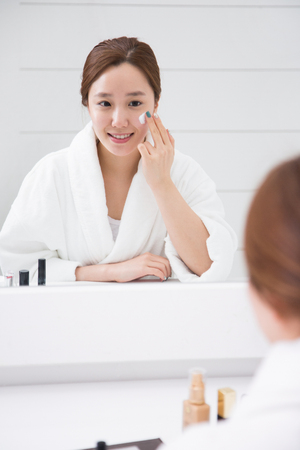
x,y
117,204
269,417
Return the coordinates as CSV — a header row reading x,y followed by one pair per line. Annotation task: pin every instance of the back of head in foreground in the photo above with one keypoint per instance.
x,y
272,248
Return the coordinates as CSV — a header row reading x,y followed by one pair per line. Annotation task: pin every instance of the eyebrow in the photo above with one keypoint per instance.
x,y
130,94
102,94
135,94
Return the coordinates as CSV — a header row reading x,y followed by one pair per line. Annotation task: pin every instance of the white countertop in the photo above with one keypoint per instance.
x,y
88,332
145,331
76,416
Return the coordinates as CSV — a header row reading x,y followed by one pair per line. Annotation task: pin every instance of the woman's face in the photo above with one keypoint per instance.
x,y
115,102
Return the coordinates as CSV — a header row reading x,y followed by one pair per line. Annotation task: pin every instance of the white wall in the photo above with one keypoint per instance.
x,y
230,73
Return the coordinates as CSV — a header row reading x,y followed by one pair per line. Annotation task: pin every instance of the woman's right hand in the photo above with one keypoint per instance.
x,y
132,269
141,266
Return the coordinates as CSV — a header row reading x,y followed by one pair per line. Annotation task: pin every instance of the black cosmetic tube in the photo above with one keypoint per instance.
x,y
101,445
41,272
24,278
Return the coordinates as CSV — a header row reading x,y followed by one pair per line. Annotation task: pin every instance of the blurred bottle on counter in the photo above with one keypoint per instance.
x,y
195,409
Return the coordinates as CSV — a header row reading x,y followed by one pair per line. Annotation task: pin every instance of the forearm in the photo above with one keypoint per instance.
x,y
97,272
132,269
186,230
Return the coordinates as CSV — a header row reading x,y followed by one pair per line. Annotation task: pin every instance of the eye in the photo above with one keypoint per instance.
x,y
135,103
104,103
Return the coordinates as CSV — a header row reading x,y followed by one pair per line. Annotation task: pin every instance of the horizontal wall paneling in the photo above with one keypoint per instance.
x,y
178,3
237,161
61,36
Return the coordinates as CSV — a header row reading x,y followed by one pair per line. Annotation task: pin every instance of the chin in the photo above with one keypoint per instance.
x,y
120,151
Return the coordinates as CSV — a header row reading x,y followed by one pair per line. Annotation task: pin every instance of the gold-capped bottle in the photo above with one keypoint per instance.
x,y
195,409
226,402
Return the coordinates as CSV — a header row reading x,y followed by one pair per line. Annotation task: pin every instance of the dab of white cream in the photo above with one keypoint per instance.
x,y
142,118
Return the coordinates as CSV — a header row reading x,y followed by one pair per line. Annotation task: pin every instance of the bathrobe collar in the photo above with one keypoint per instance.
x,y
88,191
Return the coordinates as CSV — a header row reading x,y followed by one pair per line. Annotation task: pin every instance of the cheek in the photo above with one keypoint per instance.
x,y
136,122
99,122
143,129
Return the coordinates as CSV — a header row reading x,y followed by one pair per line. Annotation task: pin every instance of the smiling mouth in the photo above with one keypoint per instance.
x,y
121,136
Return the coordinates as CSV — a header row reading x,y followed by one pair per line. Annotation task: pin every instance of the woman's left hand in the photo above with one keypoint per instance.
x,y
157,161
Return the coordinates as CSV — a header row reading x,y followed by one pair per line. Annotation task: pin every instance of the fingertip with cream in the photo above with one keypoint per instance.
x,y
142,118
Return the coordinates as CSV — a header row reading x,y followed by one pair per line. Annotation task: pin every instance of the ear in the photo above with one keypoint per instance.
x,y
156,106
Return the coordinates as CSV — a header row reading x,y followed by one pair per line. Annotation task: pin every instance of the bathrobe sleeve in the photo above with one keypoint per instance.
x,y
34,227
199,192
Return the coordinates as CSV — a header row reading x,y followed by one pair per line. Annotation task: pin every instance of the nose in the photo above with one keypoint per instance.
x,y
119,118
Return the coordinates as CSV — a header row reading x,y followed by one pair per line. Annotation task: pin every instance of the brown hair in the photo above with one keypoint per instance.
x,y
272,239
114,52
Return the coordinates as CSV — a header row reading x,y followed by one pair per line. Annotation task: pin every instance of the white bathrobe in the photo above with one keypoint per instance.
x,y
268,418
60,214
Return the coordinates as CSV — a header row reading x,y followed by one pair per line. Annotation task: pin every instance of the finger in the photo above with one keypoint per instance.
x,y
157,138
158,258
156,272
152,257
161,266
149,147
143,149
164,261
162,129
172,140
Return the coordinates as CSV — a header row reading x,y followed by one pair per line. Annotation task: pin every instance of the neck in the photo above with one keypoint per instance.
x,y
124,167
288,329
275,326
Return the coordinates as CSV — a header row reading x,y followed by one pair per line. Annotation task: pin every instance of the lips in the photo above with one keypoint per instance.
x,y
120,138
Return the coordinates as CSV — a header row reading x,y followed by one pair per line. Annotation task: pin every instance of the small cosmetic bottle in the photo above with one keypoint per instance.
x,y
9,278
195,409
41,272
24,278
226,402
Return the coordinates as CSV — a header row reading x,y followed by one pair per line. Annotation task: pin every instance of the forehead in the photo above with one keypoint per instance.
x,y
121,80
